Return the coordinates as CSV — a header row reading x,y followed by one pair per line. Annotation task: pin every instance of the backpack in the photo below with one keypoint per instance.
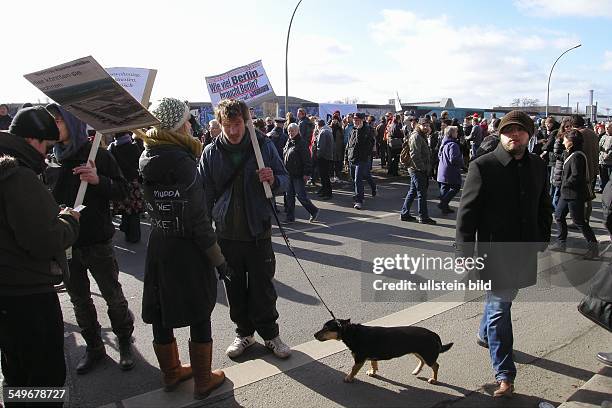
x,y
405,158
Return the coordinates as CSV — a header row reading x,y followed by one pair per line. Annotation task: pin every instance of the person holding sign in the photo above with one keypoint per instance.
x,y
93,250
236,201
34,235
180,288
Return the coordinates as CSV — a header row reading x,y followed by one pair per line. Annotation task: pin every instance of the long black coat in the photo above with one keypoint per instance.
x,y
574,177
506,209
180,286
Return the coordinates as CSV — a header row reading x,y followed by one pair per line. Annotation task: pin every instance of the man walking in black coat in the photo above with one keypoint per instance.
x,y
506,209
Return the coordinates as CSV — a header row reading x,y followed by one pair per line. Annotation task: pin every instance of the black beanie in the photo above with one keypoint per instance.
x,y
35,123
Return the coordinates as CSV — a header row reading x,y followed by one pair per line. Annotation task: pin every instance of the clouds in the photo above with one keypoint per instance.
x,y
475,63
566,8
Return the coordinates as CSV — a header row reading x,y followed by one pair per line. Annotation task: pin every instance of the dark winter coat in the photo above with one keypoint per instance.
x,y
558,153
33,237
574,176
338,134
297,158
306,128
506,208
5,122
451,162
216,168
96,222
180,286
127,156
279,138
361,142
488,144
549,146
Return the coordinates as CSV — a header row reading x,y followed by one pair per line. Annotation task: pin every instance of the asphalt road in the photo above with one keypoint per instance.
x,y
331,251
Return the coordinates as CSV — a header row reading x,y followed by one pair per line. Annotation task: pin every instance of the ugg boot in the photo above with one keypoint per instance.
x,y
204,380
170,365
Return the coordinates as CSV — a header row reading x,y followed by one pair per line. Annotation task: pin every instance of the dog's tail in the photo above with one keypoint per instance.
x,y
445,347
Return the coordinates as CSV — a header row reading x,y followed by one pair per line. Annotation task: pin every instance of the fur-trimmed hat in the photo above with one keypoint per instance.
x,y
171,112
517,117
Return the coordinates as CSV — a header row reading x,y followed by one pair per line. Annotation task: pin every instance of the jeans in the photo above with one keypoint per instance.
x,y
359,172
297,187
251,293
418,189
556,195
447,193
496,330
100,260
576,208
604,174
32,342
324,167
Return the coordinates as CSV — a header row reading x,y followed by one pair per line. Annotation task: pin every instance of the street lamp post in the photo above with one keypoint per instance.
x,y
286,62
550,74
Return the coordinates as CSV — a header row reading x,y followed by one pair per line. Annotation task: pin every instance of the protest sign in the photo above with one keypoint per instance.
x,y
398,103
248,83
87,91
137,81
326,110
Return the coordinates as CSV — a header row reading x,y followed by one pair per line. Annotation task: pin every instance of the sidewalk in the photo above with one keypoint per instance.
x,y
555,351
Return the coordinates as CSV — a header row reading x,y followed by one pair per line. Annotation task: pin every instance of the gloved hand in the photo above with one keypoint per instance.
x,y
225,272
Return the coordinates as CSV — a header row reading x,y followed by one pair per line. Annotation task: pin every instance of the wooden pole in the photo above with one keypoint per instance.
x,y
258,157
92,157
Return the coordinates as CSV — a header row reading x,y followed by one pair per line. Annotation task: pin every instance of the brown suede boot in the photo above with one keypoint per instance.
x,y
170,365
204,380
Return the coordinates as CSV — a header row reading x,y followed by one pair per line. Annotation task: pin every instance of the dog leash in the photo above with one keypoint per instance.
x,y
286,239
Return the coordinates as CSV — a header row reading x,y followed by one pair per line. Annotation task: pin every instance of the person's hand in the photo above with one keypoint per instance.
x,y
266,175
87,173
69,211
225,272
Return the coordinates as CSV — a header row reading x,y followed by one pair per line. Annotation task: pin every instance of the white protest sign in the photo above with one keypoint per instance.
x,y
86,90
248,83
326,110
137,81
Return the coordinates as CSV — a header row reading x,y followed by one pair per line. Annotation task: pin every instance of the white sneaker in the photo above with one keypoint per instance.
x,y
280,349
357,206
239,345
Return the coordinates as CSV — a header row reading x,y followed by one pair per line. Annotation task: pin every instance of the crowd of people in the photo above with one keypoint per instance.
x,y
186,178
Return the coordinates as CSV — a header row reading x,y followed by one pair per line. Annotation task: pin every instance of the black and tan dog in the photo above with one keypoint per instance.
x,y
384,343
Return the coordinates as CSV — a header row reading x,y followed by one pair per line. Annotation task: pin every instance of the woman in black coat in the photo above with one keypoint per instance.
x,y
575,191
558,157
180,286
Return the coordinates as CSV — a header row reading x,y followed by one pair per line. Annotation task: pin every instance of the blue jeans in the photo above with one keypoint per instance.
x,y
297,187
447,193
555,196
359,172
496,330
418,189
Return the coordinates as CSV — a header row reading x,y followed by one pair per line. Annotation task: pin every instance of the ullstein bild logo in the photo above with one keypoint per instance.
x,y
413,265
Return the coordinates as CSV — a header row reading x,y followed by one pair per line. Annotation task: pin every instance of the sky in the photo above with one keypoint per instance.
x,y
480,53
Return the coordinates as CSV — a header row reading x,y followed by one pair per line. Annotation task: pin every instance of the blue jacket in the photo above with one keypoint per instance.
x,y
216,169
451,162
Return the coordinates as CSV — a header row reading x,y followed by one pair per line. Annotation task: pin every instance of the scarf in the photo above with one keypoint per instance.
x,y
235,151
157,137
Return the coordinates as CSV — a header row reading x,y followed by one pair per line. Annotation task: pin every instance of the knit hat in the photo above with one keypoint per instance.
x,y
36,123
424,121
517,117
171,112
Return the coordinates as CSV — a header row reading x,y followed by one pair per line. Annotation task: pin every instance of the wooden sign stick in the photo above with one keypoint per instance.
x,y
258,157
92,157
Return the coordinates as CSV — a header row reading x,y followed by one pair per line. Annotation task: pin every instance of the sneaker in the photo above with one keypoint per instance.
x,y
481,342
313,217
407,217
239,345
357,206
280,349
428,221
